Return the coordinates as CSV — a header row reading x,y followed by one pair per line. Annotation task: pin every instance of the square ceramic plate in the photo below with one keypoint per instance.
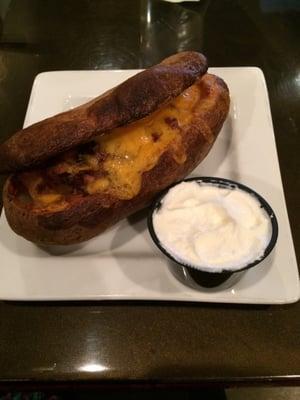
x,y
123,263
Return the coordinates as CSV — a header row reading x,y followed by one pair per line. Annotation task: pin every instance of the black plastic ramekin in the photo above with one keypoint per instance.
x,y
201,277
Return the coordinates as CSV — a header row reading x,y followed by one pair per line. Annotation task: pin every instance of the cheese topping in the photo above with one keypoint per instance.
x,y
120,157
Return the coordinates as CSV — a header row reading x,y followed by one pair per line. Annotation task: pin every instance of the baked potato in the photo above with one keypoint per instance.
x,y
80,192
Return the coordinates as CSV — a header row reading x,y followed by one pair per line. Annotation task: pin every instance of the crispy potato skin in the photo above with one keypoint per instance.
x,y
88,216
131,100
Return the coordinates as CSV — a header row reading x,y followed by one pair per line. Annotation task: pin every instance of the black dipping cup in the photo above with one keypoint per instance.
x,y
186,272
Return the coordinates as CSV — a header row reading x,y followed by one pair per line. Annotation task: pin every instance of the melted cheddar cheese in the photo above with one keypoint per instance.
x,y
128,151
136,148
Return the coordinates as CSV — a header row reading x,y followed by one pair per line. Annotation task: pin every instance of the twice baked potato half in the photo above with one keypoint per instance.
x,y
86,189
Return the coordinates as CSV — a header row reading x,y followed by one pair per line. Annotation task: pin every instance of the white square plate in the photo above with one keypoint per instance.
x,y
123,263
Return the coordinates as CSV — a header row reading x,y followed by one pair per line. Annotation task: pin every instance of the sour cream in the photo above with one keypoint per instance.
x,y
212,228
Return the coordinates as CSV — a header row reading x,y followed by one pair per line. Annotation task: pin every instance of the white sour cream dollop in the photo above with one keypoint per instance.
x,y
212,228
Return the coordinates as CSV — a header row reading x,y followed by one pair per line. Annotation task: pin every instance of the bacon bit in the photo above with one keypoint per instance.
x,y
88,179
77,180
58,169
101,156
172,122
155,136
41,187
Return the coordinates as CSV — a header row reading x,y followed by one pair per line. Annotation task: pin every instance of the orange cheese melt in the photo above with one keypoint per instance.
x,y
129,151
136,148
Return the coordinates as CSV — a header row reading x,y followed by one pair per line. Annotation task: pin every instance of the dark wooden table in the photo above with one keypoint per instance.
x,y
162,343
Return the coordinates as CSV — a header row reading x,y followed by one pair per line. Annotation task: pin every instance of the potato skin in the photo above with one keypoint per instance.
x,y
133,99
88,216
